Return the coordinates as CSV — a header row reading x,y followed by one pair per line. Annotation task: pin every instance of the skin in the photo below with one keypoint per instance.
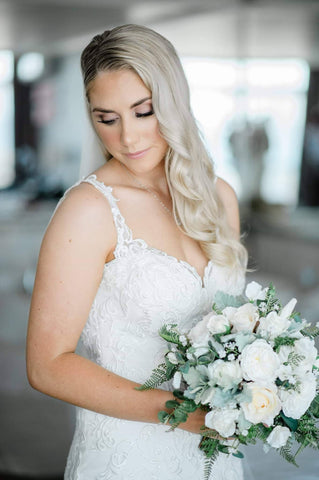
x,y
81,237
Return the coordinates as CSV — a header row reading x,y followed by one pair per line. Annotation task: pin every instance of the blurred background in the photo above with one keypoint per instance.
x,y
253,69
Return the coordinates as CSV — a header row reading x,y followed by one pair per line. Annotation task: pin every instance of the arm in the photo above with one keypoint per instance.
x,y
229,200
78,239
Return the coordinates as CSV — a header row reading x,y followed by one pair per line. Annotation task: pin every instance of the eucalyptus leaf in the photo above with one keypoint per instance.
x,y
162,416
238,454
223,300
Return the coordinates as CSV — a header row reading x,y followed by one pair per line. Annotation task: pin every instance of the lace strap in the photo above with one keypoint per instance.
x,y
124,233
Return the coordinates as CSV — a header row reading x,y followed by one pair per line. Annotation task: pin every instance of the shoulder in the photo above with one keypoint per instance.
x,y
84,203
225,191
228,198
83,213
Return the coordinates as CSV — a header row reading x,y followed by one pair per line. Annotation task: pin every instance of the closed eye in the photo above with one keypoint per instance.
x,y
146,114
107,122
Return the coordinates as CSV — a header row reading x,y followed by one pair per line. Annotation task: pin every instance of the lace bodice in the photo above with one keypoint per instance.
x,y
141,289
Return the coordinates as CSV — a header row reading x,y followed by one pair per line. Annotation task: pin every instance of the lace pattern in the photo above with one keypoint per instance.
x,y
141,289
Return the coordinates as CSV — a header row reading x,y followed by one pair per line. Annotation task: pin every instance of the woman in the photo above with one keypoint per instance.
x,y
148,238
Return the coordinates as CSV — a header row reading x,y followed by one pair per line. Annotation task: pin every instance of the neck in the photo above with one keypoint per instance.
x,y
154,179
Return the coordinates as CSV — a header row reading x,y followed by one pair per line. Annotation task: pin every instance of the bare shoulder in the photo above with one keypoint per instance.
x,y
228,197
82,213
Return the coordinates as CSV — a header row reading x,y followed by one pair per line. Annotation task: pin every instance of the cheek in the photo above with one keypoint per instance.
x,y
108,137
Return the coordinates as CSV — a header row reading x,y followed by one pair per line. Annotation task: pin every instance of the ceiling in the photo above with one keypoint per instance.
x,y
262,28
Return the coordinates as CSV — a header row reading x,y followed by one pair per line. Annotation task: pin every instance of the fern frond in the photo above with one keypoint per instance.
x,y
280,341
208,465
295,358
311,331
287,454
170,334
158,376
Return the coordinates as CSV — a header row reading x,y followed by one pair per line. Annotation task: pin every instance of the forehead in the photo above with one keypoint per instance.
x,y
120,86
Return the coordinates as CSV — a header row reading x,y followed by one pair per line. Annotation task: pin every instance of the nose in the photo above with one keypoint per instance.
x,y
129,133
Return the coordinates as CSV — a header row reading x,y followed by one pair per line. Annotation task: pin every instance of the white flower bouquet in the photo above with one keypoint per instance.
x,y
252,365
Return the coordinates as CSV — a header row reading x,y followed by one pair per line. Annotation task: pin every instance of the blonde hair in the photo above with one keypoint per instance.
x,y
189,169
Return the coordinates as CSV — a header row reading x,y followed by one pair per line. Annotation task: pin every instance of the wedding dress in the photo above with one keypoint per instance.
x,y
141,289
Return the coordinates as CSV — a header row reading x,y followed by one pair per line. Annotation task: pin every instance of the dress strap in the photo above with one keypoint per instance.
x,y
124,233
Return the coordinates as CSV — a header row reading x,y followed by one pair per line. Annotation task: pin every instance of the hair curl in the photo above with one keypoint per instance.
x,y
189,168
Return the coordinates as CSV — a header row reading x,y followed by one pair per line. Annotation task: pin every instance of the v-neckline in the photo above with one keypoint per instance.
x,y
190,267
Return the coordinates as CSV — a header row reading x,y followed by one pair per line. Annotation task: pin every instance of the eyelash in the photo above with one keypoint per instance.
x,y
138,115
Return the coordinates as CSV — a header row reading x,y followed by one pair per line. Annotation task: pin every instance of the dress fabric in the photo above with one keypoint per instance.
x,y
141,289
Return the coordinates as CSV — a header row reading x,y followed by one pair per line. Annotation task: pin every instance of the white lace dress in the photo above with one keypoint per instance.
x,y
141,289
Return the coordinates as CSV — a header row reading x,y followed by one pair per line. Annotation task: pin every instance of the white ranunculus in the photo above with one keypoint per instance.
x,y
199,334
216,323
264,405
243,317
254,291
223,420
259,362
226,374
295,404
278,437
272,325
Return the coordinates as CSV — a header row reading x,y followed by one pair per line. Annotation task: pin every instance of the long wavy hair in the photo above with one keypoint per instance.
x,y
189,168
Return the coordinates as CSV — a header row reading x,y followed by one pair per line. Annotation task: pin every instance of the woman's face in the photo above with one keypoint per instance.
x,y
123,117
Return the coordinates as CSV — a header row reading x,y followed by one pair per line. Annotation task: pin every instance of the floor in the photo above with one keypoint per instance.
x,y
36,430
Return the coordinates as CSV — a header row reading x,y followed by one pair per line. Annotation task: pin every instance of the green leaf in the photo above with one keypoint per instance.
x,y
280,341
179,416
189,406
170,334
238,454
292,423
311,331
184,368
179,394
163,416
223,448
223,300
171,404
159,375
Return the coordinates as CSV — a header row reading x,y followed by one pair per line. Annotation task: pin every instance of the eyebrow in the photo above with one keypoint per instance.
x,y
139,102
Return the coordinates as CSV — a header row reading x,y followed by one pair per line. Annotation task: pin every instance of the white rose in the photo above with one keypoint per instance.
x,y
223,421
272,325
254,291
199,334
226,374
259,362
295,404
242,318
278,437
264,405
216,323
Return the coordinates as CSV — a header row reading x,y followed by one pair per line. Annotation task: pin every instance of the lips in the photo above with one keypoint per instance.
x,y
138,154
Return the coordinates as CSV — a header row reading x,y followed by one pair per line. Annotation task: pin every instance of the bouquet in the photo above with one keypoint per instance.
x,y
252,365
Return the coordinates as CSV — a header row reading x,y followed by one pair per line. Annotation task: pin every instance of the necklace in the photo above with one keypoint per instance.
x,y
145,187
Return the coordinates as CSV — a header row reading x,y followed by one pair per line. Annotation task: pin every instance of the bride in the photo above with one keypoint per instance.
x,y
147,238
